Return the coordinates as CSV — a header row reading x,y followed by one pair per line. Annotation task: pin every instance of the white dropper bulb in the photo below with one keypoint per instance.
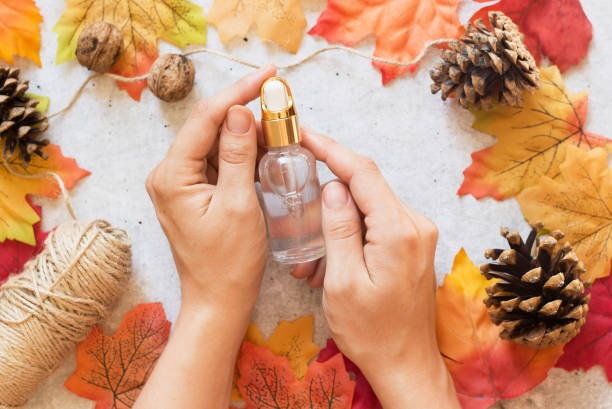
x,y
275,96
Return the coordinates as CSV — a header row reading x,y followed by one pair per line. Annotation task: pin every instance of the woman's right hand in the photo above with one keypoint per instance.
x,y
379,282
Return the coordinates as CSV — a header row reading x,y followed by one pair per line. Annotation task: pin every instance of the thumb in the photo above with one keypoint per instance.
x,y
342,233
237,152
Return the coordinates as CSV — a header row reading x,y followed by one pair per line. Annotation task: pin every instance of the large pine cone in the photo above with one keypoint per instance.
x,y
486,66
539,299
21,125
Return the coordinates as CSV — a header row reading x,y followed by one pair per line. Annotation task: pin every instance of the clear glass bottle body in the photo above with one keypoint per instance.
x,y
292,203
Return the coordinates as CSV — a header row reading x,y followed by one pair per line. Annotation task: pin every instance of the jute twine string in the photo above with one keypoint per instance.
x,y
60,295
295,64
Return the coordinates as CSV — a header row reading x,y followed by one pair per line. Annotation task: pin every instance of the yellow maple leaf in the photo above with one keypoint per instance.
x,y
291,339
141,22
16,215
19,31
281,21
532,139
579,204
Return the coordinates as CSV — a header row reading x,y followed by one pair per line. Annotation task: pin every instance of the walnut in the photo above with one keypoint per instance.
x,y
171,77
99,46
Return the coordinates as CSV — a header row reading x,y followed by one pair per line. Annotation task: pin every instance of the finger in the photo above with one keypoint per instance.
x,y
316,280
368,187
213,155
304,270
342,233
237,153
198,134
427,230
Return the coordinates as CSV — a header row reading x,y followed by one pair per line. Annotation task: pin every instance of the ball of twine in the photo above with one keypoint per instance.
x,y
53,304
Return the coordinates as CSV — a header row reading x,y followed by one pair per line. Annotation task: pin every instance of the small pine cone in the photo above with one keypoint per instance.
x,y
486,66
21,124
539,298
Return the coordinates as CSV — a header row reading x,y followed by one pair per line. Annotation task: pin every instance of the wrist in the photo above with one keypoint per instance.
x,y
226,326
422,382
232,307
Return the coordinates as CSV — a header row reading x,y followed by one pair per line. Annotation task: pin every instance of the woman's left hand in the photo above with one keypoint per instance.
x,y
204,195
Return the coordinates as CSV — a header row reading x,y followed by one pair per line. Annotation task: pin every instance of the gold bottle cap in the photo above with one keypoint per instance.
x,y
278,118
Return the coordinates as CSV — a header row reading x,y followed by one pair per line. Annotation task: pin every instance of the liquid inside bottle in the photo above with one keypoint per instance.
x,y
292,203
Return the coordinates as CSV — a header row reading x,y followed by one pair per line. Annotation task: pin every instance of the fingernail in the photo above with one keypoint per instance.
x,y
238,120
335,195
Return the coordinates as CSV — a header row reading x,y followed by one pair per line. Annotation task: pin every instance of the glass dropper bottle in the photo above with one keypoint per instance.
x,y
289,182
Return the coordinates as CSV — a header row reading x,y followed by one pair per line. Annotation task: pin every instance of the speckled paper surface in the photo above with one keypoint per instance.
x,y
421,144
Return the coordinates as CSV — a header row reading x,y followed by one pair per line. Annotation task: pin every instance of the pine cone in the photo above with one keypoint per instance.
x,y
20,123
486,66
539,299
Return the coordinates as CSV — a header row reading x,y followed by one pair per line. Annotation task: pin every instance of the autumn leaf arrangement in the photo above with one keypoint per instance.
x,y
544,157
542,302
112,370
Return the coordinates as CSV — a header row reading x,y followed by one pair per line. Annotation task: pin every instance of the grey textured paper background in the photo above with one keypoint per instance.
x,y
421,144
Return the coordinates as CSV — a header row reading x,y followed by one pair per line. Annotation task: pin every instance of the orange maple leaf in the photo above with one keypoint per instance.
x,y
16,215
19,31
267,381
291,339
141,22
280,21
401,27
532,139
113,370
579,203
484,367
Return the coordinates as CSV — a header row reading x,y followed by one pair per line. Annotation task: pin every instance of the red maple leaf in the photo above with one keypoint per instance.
x,y
112,370
593,345
364,396
267,381
14,254
557,29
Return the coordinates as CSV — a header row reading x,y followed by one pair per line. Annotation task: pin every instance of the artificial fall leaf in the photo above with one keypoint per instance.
x,y
484,367
401,27
142,23
593,345
267,381
16,214
281,21
579,204
112,370
19,31
532,139
557,29
364,396
291,339
14,254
